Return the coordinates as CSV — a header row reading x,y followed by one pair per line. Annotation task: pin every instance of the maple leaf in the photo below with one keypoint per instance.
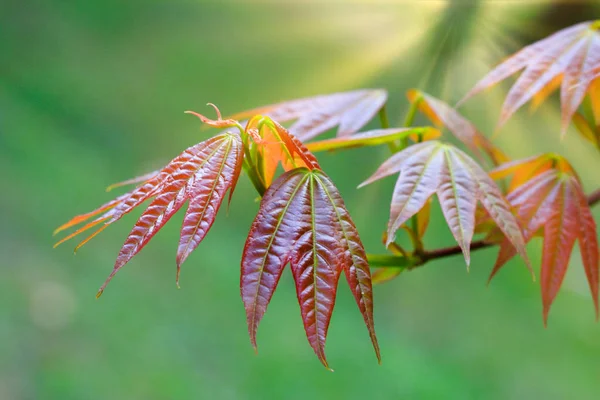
x,y
201,174
441,114
459,182
571,56
350,111
274,145
552,202
303,221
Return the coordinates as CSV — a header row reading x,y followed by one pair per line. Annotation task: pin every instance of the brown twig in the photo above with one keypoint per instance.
x,y
425,256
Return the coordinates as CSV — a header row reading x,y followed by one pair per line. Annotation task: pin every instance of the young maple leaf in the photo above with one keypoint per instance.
x,y
201,174
315,115
274,145
303,221
434,167
551,201
570,56
441,114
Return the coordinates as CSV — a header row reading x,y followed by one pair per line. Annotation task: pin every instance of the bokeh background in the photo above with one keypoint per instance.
x,y
93,92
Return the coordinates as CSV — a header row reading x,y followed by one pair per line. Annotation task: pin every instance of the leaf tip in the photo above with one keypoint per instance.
x,y
390,240
177,274
366,182
545,313
100,291
528,265
216,110
253,342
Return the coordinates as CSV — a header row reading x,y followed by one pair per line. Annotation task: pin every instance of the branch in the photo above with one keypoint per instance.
x,y
424,256
594,198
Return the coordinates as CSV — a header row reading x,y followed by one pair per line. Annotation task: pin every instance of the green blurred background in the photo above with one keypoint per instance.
x,y
93,92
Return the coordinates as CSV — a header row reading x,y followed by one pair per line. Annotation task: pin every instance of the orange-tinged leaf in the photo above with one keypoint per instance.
x,y
350,111
441,114
435,167
545,92
594,93
84,217
201,174
525,169
573,53
554,203
585,129
528,199
276,145
132,181
423,218
303,221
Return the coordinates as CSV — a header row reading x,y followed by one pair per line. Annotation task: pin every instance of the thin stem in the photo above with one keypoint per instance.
x,y
422,257
412,112
450,251
383,118
594,198
385,124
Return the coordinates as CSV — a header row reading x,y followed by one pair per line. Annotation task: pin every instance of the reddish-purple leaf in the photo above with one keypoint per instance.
x,y
553,202
303,221
206,194
588,245
270,242
356,267
201,174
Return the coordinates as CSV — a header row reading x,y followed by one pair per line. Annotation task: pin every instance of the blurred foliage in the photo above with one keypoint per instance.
x,y
93,92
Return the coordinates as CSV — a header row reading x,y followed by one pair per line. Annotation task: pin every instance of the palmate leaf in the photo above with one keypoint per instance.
x,y
303,221
441,114
274,145
459,182
350,111
571,55
202,174
552,202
